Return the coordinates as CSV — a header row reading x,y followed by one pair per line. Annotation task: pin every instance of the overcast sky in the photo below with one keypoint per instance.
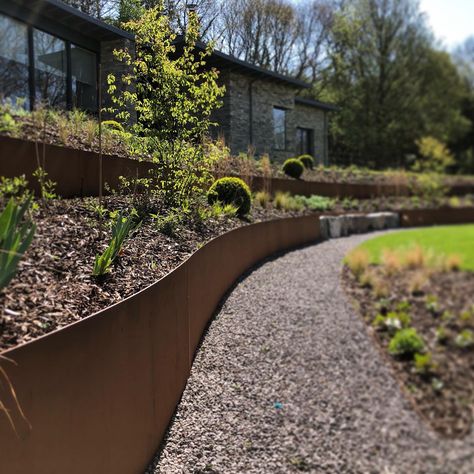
x,y
452,20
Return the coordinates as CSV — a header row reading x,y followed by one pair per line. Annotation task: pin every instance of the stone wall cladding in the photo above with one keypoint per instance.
x,y
221,116
314,119
234,117
110,65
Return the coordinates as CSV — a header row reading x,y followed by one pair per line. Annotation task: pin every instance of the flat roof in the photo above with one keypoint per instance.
x,y
33,11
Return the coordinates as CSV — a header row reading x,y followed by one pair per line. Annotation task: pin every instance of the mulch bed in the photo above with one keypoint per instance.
x,y
54,285
445,398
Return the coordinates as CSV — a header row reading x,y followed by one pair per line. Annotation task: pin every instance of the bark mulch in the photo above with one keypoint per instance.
x,y
444,306
54,285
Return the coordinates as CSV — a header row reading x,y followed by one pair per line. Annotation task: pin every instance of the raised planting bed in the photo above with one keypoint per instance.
x,y
415,291
99,393
76,172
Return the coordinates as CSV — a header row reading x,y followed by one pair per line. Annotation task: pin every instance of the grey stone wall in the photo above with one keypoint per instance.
x,y
243,127
111,66
316,120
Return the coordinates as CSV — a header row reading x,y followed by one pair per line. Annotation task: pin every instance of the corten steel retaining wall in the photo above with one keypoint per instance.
x,y
427,217
76,172
100,393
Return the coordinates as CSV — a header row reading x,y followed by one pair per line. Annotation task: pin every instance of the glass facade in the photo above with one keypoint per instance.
x,y
84,78
14,60
55,72
279,128
50,69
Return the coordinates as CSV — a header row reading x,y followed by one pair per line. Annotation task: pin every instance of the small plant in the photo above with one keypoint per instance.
x,y
120,231
293,168
392,322
424,364
263,198
16,187
358,260
432,305
406,343
415,257
465,339
47,186
417,283
307,160
285,202
316,203
391,261
231,191
16,235
441,335
8,124
452,263
169,224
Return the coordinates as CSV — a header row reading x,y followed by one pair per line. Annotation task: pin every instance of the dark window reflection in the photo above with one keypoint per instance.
x,y
279,127
13,60
303,141
84,77
50,69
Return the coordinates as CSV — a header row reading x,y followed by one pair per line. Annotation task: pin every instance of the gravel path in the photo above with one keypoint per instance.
x,y
288,380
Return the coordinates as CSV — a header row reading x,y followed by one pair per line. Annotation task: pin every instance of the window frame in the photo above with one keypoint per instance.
x,y
310,140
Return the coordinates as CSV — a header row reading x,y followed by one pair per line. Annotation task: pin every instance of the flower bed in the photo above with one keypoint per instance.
x,y
417,301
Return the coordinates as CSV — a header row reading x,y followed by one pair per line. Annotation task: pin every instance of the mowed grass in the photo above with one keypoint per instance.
x,y
443,240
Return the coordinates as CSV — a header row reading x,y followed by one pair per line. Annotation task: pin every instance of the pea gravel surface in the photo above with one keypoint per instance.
x,y
287,379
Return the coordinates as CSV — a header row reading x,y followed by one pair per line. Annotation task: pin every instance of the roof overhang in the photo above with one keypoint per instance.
x,y
225,61
316,104
49,12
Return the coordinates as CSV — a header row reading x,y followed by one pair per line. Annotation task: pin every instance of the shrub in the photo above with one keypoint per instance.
x,y
169,224
15,238
406,343
307,160
293,167
434,156
231,191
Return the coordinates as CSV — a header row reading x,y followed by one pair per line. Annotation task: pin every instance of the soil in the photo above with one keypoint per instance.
x,y
445,395
54,285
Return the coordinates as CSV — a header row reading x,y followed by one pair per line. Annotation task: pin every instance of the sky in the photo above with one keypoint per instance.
x,y
452,21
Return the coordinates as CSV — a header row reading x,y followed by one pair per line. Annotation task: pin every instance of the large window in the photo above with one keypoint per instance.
x,y
55,72
304,138
13,60
84,78
50,69
279,128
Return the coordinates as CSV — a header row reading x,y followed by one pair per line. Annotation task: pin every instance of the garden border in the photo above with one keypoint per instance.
x,y
76,173
100,393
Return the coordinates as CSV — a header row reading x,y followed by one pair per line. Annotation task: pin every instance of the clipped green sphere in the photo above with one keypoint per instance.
x,y
293,167
231,191
307,160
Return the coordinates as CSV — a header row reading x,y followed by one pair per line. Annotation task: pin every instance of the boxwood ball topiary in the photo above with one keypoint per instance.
x,y
307,160
293,167
231,191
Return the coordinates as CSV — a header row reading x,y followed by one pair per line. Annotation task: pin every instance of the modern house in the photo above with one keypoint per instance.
x,y
50,53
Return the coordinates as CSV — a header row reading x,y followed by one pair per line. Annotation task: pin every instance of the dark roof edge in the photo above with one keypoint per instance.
x,y
316,103
84,16
250,67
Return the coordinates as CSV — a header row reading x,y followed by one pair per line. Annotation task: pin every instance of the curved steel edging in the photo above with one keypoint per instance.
x,y
100,393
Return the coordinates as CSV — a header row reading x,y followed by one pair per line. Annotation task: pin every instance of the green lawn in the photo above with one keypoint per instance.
x,y
447,240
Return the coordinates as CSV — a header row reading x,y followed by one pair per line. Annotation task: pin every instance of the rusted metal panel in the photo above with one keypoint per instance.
x,y
76,172
427,217
100,393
